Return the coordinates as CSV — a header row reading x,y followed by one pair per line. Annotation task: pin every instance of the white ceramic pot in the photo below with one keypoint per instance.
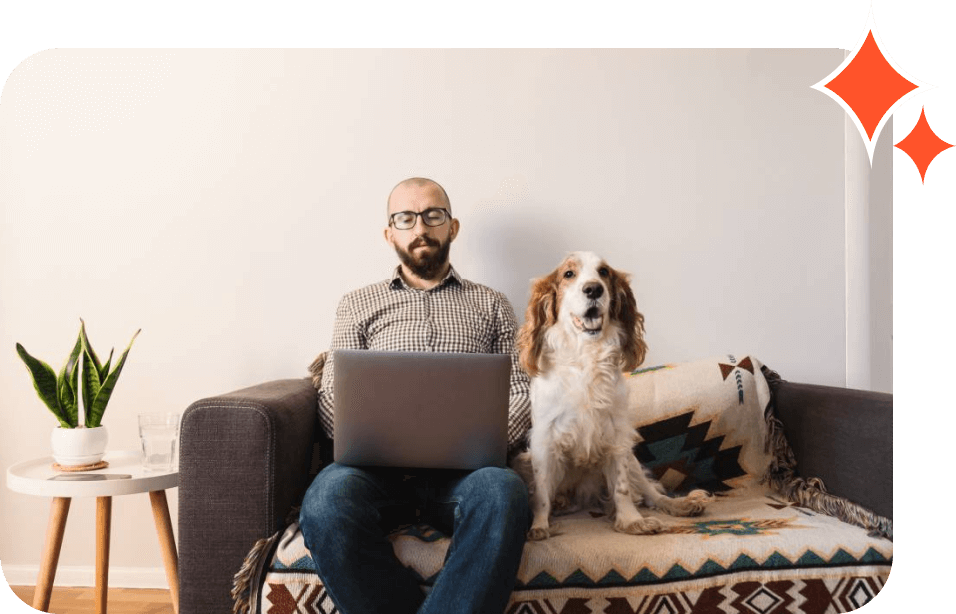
x,y
79,446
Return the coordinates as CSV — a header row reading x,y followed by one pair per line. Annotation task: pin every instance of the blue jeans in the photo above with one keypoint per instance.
x,y
348,512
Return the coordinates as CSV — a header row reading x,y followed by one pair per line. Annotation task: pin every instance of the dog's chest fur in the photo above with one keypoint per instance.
x,y
581,404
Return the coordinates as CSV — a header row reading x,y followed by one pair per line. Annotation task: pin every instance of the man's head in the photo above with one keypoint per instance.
x,y
414,205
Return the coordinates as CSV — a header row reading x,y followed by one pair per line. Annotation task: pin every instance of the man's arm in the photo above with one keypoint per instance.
x,y
519,403
346,334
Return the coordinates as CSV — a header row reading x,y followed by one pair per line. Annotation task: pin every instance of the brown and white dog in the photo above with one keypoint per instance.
x,y
582,331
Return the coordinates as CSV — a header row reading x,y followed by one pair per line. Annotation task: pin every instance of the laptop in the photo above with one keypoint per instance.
x,y
431,410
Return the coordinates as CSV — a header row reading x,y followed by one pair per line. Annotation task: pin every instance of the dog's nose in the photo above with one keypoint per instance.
x,y
593,290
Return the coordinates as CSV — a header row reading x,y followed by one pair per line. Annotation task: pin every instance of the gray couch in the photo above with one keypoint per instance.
x,y
247,457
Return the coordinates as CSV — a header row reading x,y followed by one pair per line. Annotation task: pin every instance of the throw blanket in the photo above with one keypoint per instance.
x,y
771,542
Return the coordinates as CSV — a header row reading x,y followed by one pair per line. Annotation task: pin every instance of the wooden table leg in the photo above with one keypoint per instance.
x,y
104,509
164,529
59,510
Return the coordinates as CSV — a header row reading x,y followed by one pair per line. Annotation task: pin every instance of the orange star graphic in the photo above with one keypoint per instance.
x,y
868,86
922,145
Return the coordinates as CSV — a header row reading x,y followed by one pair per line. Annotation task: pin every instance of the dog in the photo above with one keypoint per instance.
x,y
582,331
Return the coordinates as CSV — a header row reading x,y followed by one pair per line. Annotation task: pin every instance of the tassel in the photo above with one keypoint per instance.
x,y
248,575
811,493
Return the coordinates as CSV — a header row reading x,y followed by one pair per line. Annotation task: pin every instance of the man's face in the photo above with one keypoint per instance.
x,y
423,249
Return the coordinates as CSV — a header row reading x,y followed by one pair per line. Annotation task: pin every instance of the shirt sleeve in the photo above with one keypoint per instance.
x,y
346,334
519,402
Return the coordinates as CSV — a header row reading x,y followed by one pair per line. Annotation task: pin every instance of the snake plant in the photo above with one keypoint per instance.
x,y
60,392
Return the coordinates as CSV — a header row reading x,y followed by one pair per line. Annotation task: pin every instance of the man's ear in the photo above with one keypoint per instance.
x,y
454,229
388,235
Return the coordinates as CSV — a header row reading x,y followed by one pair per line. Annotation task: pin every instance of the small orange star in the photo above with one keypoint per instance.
x,y
922,145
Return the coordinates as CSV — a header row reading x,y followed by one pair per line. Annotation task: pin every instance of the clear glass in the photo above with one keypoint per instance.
x,y
159,437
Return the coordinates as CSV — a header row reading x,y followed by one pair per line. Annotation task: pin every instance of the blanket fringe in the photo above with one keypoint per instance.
x,y
811,493
244,593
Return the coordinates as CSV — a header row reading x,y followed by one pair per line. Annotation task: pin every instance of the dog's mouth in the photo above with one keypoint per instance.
x,y
591,323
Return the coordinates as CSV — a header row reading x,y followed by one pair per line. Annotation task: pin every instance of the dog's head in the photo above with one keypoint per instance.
x,y
587,296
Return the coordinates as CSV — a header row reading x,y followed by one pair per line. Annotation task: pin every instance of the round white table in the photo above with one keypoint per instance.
x,y
125,475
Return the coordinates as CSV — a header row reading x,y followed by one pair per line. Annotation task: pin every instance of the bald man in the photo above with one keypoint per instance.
x,y
348,512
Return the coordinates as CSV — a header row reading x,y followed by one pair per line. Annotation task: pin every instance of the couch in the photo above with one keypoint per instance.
x,y
802,520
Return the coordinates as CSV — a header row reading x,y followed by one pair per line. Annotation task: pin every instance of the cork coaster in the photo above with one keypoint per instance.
x,y
91,467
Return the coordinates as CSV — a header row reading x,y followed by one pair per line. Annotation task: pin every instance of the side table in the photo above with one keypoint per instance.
x,y
33,477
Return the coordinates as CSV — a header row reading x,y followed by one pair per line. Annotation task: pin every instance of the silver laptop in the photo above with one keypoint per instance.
x,y
421,409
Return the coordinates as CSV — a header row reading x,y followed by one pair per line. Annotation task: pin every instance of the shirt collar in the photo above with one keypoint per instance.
x,y
398,283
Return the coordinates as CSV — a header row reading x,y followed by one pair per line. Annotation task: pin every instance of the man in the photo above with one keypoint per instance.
x,y
348,512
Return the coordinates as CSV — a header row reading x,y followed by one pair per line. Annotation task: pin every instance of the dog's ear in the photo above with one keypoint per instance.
x,y
542,313
624,310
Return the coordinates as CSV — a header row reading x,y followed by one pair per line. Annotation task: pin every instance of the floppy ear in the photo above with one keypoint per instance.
x,y
541,314
624,310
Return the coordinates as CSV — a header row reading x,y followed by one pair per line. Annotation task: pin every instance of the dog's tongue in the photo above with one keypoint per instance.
x,y
577,322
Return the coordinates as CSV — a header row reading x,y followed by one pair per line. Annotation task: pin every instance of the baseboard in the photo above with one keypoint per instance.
x,y
119,577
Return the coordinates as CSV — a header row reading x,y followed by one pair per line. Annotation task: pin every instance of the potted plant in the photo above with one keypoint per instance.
x,y
76,444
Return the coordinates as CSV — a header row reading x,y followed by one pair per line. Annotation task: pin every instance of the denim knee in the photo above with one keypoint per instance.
x,y
501,490
336,491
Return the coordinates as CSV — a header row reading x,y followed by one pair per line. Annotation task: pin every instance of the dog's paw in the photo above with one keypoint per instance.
x,y
641,526
701,497
693,504
538,533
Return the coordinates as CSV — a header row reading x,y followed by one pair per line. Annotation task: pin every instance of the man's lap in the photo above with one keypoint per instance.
x,y
404,496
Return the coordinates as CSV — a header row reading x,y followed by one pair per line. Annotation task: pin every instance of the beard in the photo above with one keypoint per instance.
x,y
425,266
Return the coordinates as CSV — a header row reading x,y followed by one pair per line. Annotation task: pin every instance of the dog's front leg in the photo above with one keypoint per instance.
x,y
626,517
547,476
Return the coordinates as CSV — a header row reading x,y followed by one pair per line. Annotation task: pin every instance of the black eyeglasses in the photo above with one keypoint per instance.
x,y
403,220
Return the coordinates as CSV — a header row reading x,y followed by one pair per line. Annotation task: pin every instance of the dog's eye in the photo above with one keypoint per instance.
x,y
603,272
568,274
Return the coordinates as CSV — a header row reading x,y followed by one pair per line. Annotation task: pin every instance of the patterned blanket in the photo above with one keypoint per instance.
x,y
706,425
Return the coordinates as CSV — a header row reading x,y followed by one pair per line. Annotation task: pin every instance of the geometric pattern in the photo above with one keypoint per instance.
x,y
780,596
743,563
737,526
821,579
686,413
310,599
681,452
797,596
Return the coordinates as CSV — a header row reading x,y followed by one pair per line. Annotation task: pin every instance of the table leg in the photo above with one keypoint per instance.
x,y
59,510
104,509
164,529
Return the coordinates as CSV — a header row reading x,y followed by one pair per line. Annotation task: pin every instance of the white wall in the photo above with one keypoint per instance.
x,y
224,200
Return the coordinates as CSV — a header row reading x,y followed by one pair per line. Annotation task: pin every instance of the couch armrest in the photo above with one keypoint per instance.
x,y
842,436
243,463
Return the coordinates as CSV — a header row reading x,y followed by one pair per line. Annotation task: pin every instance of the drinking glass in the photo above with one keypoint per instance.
x,y
159,436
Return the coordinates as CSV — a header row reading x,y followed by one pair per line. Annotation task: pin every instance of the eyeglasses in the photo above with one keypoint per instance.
x,y
403,220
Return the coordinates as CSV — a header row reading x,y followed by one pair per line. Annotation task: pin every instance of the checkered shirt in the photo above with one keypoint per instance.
x,y
457,315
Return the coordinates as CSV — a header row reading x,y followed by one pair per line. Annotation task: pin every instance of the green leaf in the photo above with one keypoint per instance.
x,y
89,348
95,414
44,381
75,385
91,383
66,384
104,371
